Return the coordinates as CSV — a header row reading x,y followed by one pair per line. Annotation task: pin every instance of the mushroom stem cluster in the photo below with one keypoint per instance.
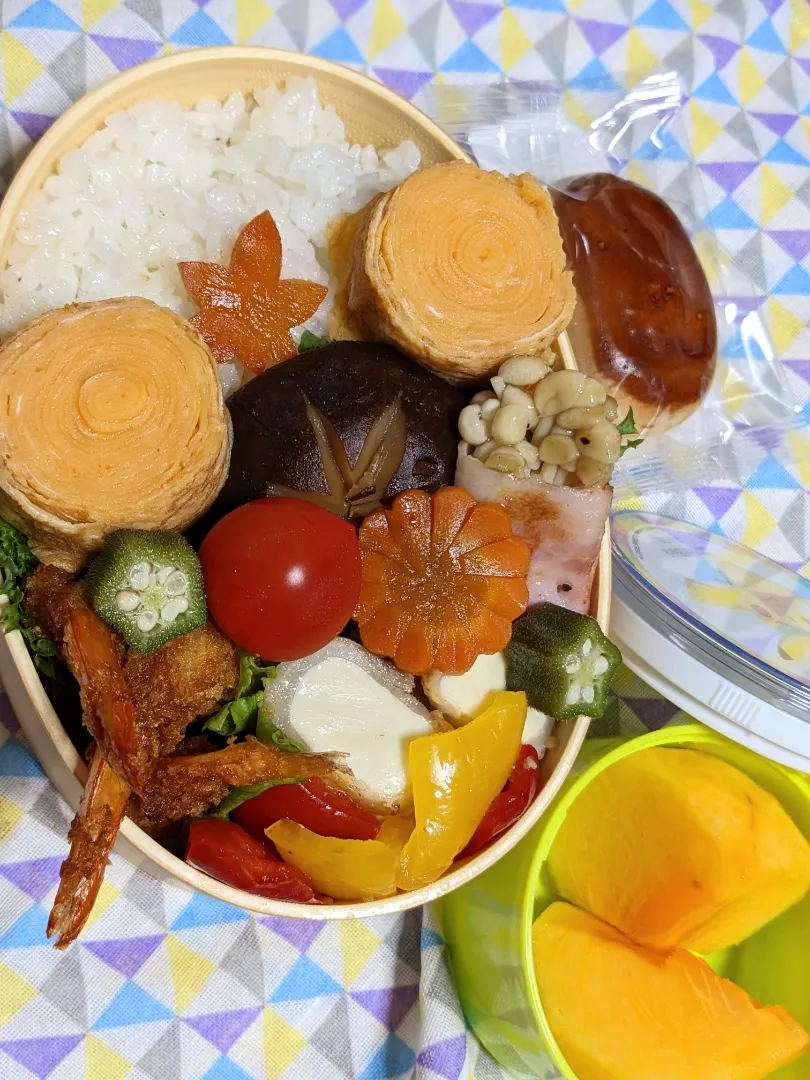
x,y
560,424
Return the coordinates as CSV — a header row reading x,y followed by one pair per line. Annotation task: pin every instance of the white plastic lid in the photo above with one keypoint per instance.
x,y
719,630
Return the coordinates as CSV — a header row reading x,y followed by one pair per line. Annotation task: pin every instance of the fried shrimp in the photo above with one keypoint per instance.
x,y
92,835
135,708
121,761
186,678
187,785
56,603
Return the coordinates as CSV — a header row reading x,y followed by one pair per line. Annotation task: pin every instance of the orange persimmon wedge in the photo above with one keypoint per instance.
x,y
620,1011
443,578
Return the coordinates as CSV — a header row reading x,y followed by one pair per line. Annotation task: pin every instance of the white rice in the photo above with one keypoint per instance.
x,y
159,184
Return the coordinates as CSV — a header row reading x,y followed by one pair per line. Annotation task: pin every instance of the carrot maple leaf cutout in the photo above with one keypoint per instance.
x,y
246,311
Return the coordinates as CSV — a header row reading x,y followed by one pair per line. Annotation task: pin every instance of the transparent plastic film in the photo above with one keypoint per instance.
x,y
671,322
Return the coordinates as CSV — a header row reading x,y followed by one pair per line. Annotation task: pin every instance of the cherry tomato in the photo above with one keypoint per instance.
x,y
508,805
281,576
316,805
223,850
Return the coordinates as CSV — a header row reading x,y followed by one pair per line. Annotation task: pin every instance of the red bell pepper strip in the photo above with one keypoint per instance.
x,y
510,804
223,850
314,804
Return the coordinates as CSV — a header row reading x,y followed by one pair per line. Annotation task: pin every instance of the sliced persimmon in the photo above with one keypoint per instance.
x,y
442,579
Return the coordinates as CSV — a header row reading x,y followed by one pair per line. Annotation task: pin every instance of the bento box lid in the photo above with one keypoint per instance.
x,y
720,630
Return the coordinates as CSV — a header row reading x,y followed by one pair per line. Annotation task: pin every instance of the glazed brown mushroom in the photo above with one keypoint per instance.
x,y
343,426
644,323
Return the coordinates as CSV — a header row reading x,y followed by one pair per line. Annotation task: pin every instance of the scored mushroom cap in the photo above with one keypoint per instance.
x,y
644,323
344,425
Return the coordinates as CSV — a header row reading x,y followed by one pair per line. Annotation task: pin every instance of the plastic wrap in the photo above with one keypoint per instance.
x,y
637,132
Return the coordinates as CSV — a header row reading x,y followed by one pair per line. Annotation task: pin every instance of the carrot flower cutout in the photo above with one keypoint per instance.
x,y
246,311
442,580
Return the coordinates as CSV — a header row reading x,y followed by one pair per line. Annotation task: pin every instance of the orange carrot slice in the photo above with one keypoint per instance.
x,y
246,313
442,580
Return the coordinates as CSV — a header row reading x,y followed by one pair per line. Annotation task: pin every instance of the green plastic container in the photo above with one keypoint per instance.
x,y
487,924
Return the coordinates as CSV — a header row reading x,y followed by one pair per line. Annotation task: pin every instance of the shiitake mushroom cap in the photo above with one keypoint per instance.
x,y
346,425
644,323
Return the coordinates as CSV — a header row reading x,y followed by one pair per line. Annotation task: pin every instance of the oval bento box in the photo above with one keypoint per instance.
x,y
372,114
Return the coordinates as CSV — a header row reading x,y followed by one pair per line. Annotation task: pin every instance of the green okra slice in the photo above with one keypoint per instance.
x,y
148,586
562,661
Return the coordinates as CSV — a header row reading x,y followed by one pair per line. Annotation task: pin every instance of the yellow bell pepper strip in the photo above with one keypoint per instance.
x,y
455,776
345,869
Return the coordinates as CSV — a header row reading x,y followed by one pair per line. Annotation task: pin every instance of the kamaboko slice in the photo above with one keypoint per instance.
x,y
460,268
111,417
343,700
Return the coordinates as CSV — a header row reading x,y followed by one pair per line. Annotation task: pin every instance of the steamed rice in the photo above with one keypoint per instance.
x,y
159,184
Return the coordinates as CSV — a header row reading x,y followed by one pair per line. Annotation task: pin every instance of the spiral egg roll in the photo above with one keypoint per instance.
x,y
458,267
111,416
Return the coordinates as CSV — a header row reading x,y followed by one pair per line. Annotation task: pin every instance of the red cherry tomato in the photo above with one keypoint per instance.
x,y
509,804
315,805
281,576
224,851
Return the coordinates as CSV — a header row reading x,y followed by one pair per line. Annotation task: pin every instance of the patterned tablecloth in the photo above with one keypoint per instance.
x,y
166,984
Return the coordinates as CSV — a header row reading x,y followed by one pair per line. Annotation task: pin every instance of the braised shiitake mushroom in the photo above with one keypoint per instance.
x,y
345,426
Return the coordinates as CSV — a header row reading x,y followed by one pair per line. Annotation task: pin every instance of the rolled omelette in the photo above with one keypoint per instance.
x,y
111,416
458,267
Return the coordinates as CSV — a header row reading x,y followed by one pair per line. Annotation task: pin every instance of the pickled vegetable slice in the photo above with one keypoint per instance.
x,y
246,313
442,579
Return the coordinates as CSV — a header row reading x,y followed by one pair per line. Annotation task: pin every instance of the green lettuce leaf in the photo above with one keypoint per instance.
x,y
239,717
253,674
16,561
242,794
43,653
309,341
247,713
267,732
